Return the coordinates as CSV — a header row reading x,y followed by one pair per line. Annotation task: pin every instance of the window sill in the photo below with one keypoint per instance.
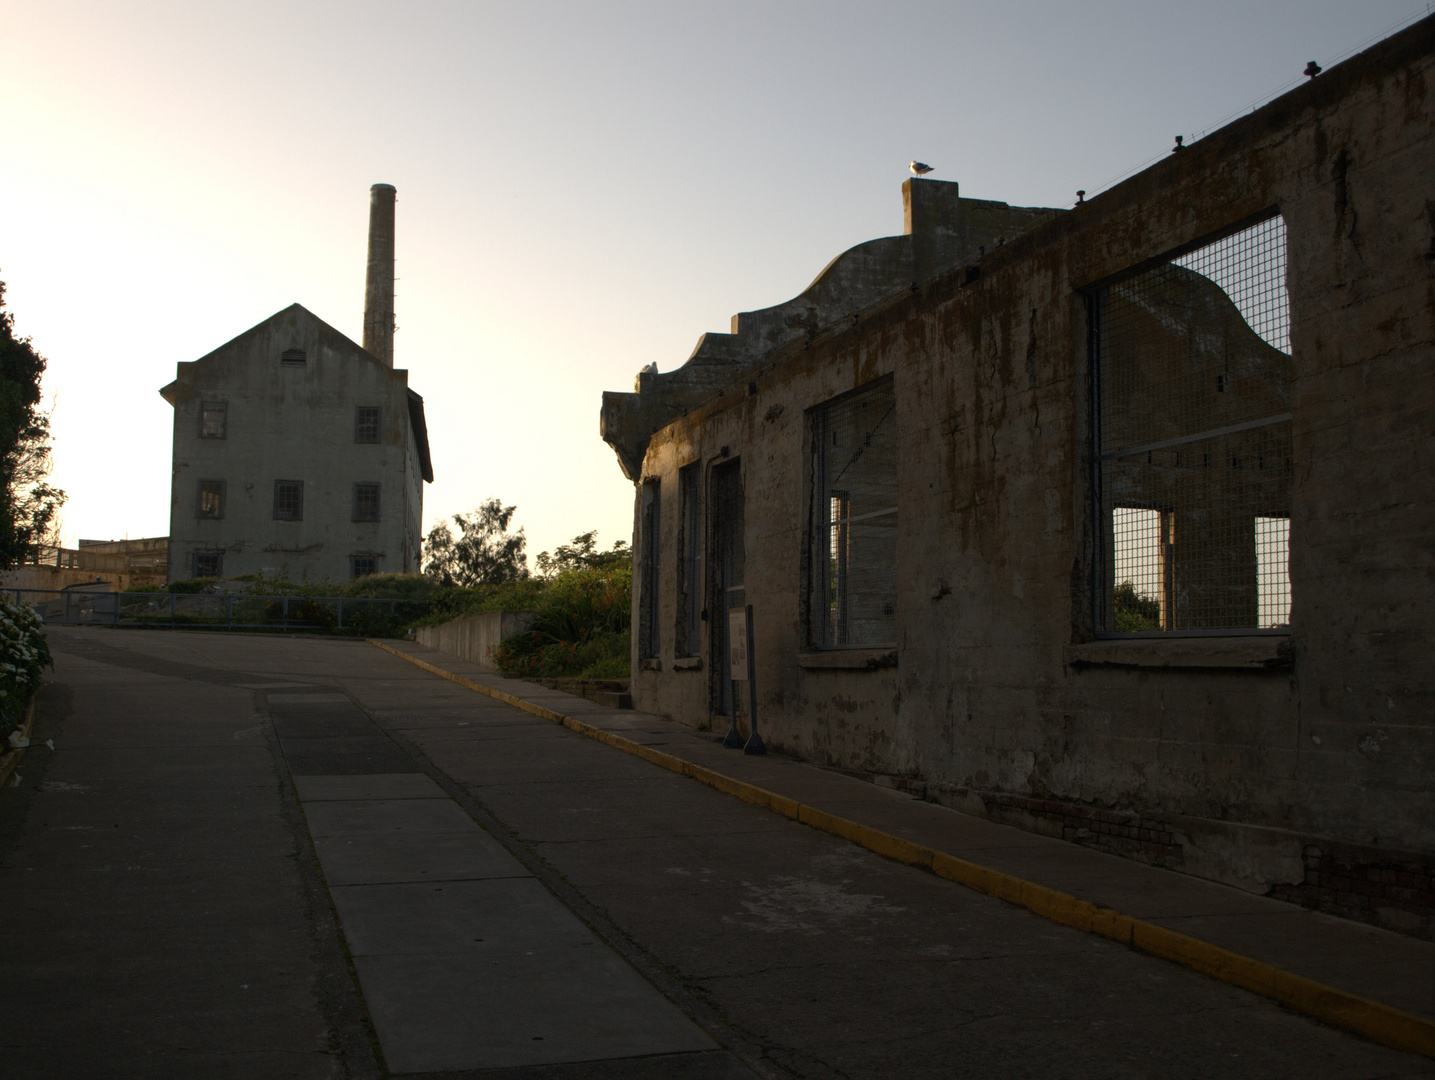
x,y
1254,653
688,663
650,663
848,659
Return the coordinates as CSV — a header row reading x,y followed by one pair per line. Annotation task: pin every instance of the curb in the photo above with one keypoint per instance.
x,y
1350,1012
10,759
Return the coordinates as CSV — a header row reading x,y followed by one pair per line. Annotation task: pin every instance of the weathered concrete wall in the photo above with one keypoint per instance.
x,y
294,423
1303,766
473,637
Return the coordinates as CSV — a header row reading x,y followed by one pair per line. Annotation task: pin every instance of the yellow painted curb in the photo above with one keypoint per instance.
x,y
1379,1023
10,759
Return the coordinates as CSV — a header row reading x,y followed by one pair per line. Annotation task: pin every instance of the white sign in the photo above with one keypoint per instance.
x,y
737,644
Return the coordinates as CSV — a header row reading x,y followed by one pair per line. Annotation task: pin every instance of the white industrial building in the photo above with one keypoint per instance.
x,y
297,451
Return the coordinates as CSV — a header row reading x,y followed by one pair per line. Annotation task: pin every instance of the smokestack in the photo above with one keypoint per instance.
x,y
379,285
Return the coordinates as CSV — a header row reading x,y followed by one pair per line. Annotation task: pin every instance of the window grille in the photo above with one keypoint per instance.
x,y
288,500
211,498
366,424
690,593
363,565
213,420
727,570
208,564
648,600
366,502
854,505
1192,429
292,358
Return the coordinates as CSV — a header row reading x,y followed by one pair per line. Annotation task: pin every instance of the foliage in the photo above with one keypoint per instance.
x,y
24,653
484,552
1136,611
581,553
29,506
580,627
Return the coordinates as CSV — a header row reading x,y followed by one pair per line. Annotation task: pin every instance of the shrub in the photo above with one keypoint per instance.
x,y
24,653
580,628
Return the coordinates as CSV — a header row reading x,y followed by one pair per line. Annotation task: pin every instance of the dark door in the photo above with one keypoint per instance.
x,y
725,562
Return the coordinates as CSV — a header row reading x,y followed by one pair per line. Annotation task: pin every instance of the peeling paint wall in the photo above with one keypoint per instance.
x,y
1251,761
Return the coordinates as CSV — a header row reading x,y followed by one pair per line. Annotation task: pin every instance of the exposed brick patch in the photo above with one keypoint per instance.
x,y
1127,833
1396,891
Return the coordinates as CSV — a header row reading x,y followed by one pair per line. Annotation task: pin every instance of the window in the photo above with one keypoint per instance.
x,y
208,564
690,536
1192,457
211,499
292,358
288,500
363,565
648,597
366,502
213,417
853,587
366,424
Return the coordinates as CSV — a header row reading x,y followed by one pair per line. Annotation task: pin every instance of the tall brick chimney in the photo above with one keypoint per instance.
x,y
379,284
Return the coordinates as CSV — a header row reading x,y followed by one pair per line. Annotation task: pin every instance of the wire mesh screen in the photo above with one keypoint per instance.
x,y
727,569
650,538
855,535
690,593
1193,439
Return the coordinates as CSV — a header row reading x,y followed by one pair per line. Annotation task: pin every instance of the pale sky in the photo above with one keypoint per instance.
x,y
584,188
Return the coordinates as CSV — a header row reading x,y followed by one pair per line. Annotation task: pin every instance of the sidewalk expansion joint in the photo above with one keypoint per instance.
x,y
1375,1021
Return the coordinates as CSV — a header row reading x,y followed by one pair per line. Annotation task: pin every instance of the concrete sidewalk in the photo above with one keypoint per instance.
x,y
1375,964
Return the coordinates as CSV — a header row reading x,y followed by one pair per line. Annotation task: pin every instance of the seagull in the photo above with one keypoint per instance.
x,y
918,169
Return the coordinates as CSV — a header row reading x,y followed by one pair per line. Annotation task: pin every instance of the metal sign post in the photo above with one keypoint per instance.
x,y
736,669
754,742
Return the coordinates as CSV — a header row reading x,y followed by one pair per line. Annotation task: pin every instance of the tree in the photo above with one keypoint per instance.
x,y
581,553
29,506
484,552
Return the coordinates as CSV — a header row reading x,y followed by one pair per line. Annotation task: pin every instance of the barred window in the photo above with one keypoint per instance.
x,y
288,500
690,543
652,524
211,499
366,424
208,564
366,502
213,418
1192,477
363,565
853,591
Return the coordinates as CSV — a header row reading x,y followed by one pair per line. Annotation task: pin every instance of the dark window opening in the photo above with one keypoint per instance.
x,y
853,590
366,424
211,498
366,502
363,565
292,358
648,637
288,500
208,564
213,420
1192,474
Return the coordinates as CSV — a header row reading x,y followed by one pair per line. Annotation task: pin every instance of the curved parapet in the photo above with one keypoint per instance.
x,y
943,232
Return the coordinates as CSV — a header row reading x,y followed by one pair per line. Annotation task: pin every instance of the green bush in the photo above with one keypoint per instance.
x,y
24,653
1134,610
580,627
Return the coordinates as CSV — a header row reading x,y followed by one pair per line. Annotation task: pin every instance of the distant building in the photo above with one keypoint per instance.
x,y
1114,523
298,452
121,564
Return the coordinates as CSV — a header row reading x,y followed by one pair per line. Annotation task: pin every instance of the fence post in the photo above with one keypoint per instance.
x,y
284,615
173,614
341,614
67,608
229,609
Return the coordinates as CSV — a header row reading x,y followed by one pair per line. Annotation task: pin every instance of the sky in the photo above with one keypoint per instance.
x,y
583,188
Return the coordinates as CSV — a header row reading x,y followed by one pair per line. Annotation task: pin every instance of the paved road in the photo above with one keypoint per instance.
x,y
265,857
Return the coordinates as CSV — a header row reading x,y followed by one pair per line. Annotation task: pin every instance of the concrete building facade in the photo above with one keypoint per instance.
x,y
1115,523
297,451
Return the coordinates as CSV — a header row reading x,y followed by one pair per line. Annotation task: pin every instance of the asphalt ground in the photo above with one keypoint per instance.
x,y
209,877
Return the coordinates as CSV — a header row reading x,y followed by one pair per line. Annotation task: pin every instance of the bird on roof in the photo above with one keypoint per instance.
x,y
919,169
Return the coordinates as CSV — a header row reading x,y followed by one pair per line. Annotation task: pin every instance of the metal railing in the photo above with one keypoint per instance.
x,y
221,611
